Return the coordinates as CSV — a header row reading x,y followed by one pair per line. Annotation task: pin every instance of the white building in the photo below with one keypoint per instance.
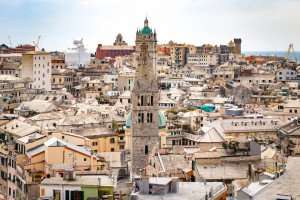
x,y
256,78
71,186
77,56
285,74
202,59
37,66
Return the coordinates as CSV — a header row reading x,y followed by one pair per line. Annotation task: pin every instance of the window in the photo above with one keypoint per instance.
x,y
112,140
149,117
94,143
67,192
140,118
146,150
112,149
151,100
84,159
142,100
77,195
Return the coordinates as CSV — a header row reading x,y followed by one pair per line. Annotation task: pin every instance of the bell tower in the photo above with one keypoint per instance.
x,y
145,97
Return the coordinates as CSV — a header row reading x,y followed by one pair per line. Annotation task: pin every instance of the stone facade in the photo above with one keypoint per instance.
x,y
145,98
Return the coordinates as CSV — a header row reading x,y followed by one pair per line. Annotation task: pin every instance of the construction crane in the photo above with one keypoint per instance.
x,y
37,42
291,53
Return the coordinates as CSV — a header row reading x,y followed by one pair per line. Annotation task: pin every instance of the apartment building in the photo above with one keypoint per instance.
x,y
37,67
202,59
179,53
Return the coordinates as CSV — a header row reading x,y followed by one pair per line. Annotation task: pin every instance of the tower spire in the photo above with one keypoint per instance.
x,y
146,22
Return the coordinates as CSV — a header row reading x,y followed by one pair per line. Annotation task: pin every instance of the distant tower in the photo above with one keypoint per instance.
x,y
238,45
231,47
145,97
291,53
119,40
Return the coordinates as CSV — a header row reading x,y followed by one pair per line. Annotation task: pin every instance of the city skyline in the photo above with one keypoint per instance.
x,y
192,21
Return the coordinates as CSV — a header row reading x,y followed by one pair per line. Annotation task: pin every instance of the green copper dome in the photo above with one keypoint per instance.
x,y
161,120
146,30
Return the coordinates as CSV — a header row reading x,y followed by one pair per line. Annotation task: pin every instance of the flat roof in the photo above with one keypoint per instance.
x,y
85,180
287,184
188,191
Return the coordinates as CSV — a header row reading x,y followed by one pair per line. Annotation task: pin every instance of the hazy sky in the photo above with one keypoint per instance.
x,y
262,24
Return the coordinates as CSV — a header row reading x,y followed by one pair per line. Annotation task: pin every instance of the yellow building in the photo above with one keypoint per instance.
x,y
55,156
105,139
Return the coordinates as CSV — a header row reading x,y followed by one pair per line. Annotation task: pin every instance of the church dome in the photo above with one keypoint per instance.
x,y
146,30
161,121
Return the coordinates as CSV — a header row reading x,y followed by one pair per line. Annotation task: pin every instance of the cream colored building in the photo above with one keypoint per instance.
x,y
37,67
256,78
204,59
178,54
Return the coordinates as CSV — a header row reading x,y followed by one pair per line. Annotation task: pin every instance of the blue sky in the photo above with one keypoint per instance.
x,y
262,24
